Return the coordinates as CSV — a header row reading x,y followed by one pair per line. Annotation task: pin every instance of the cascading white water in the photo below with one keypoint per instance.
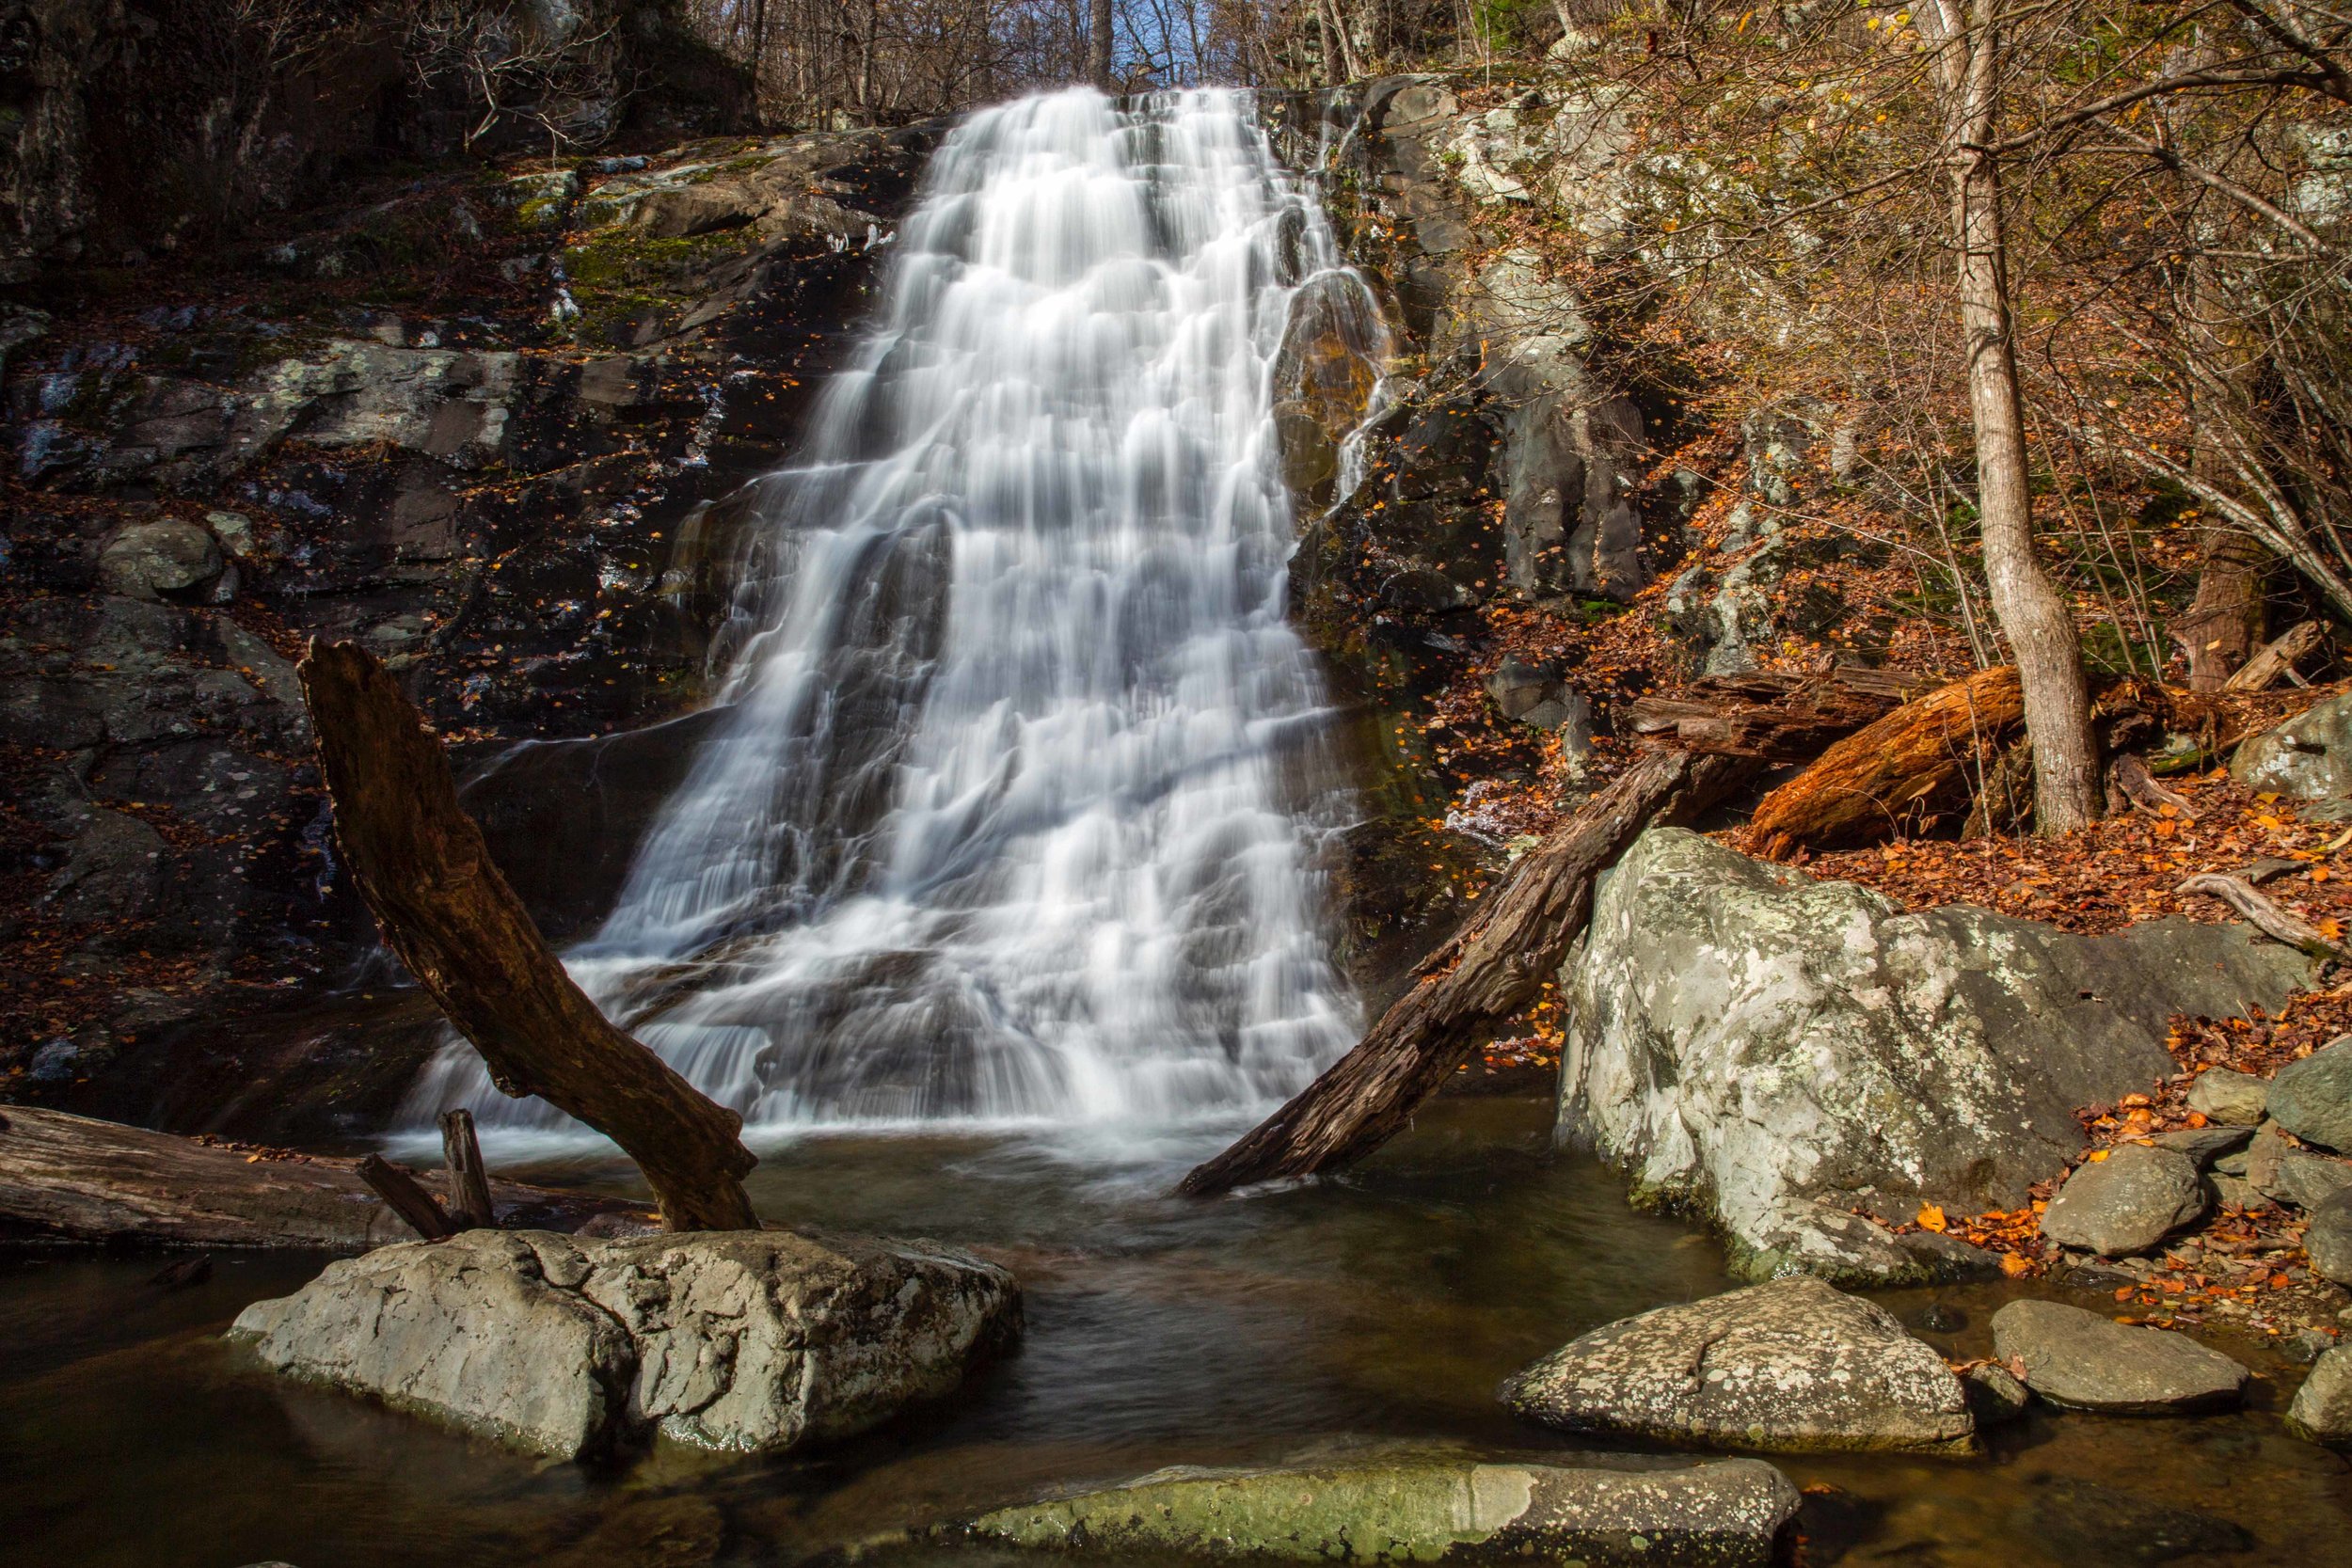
x,y
1010,817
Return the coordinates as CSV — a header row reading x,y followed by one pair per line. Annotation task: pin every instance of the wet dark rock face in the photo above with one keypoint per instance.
x,y
502,458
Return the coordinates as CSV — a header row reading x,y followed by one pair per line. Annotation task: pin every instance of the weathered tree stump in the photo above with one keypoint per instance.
x,y
469,1180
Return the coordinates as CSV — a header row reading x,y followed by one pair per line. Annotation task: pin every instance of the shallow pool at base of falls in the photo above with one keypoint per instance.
x,y
1383,1306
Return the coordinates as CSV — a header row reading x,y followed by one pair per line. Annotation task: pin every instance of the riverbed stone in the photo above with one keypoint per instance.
x,y
2307,1179
1605,1510
1776,1051
2078,1358
2328,1240
2125,1203
2204,1145
1792,1365
2232,1098
2322,1410
2312,1098
766,1340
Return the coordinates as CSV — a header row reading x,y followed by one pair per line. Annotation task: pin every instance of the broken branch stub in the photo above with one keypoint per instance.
x,y
419,862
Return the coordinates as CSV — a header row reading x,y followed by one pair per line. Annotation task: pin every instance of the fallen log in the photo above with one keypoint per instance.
x,y
1494,966
419,862
1775,716
1920,755
65,1177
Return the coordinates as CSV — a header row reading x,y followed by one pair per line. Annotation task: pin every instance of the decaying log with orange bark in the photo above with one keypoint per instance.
x,y
419,862
1493,967
1922,757
1773,715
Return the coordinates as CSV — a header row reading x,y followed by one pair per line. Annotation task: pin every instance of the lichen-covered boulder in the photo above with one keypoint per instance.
x,y
2307,758
2078,1358
1775,1052
728,1340
2127,1203
1793,1365
1604,1510
152,559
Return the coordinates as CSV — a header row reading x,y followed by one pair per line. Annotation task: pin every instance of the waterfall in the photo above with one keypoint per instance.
x,y
1011,815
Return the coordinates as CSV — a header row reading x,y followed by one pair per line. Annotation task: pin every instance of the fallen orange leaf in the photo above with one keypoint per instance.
x,y
1930,1218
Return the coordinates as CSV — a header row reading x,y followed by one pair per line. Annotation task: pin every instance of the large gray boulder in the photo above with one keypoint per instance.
x,y
1774,1051
2127,1203
2322,1410
2307,758
1606,1512
725,1340
2312,1098
2081,1359
1793,1365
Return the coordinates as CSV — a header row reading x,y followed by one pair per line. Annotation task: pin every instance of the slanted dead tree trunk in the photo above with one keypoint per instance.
x,y
1493,967
420,864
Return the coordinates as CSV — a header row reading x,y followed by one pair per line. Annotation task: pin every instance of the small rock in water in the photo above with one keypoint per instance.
x,y
1613,1511
751,1340
2322,1410
2328,1242
1994,1396
2079,1358
2085,1525
1943,1318
2312,1098
1792,1365
2234,1098
2125,1203
2204,1145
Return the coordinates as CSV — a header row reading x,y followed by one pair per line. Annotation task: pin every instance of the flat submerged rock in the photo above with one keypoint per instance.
x,y
1612,1510
1794,1365
763,1339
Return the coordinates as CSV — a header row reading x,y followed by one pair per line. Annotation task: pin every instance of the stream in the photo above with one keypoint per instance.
x,y
1382,1306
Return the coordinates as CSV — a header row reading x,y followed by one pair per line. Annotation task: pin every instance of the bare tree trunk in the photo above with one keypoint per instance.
x,y
1351,59
1098,44
2033,615
1493,967
420,864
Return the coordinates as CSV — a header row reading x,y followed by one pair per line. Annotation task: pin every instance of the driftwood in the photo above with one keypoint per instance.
x,y
1775,716
2263,913
2276,660
1494,966
1882,776
420,864
2132,780
419,1209
65,1177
